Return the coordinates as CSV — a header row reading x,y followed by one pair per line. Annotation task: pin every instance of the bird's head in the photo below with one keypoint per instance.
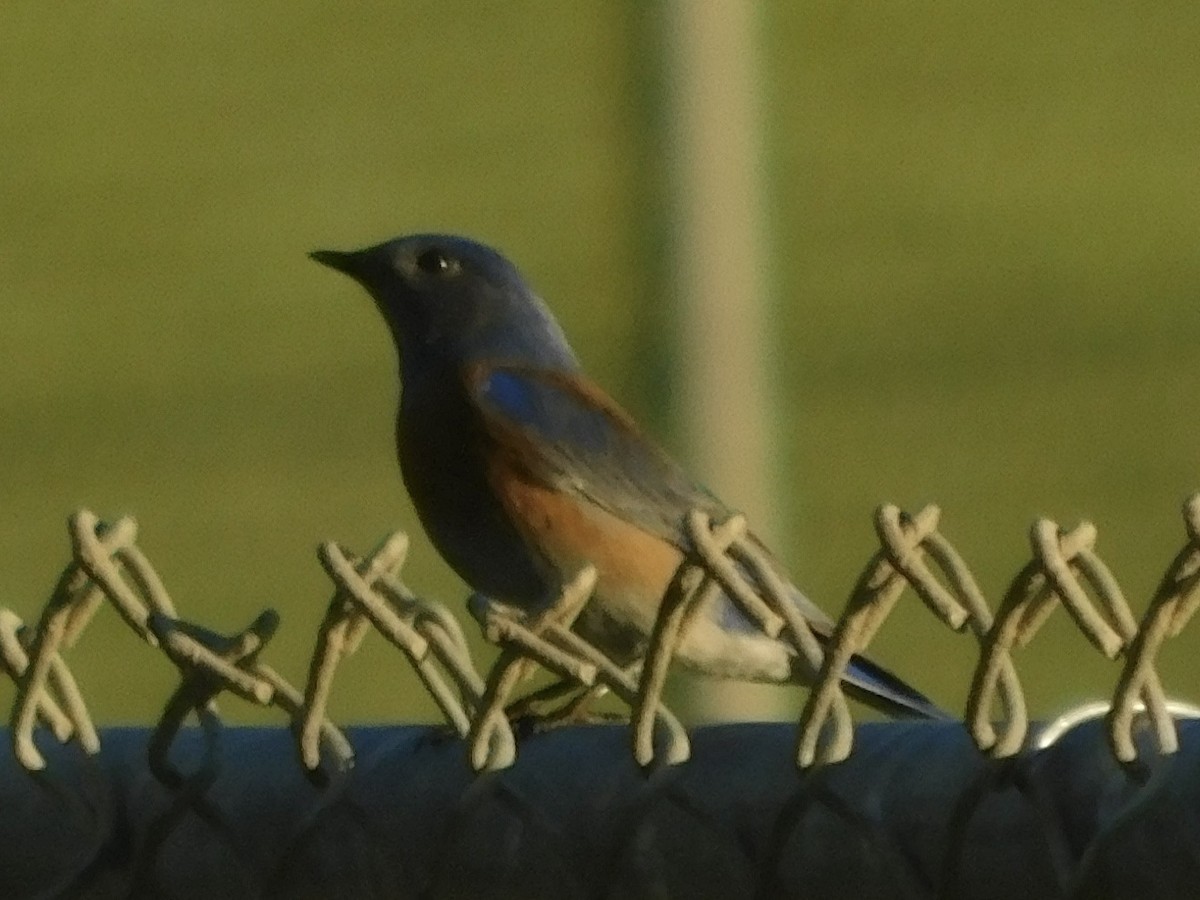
x,y
450,302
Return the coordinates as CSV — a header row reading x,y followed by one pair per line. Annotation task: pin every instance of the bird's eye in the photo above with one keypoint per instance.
x,y
435,262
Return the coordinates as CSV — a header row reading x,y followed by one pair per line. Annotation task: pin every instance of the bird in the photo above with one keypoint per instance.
x,y
522,470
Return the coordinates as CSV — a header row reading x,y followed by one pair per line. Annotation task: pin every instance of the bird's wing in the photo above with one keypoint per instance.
x,y
568,434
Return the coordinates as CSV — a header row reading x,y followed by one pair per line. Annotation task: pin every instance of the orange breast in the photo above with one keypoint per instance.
x,y
633,566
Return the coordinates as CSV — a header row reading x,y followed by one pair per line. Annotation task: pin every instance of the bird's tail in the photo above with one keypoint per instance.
x,y
881,690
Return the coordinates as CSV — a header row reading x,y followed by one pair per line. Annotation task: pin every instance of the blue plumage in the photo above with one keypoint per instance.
x,y
521,469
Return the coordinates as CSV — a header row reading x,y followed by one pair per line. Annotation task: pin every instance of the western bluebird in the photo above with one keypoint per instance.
x,y
522,470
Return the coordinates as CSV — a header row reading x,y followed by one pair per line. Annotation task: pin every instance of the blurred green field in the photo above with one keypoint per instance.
x,y
984,229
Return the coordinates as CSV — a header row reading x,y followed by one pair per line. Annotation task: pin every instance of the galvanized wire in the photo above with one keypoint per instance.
x,y
893,809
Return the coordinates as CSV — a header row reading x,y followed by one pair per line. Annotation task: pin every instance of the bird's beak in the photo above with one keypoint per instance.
x,y
346,263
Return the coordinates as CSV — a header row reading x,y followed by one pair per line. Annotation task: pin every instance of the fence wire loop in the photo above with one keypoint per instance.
x,y
1174,603
368,592
547,639
907,545
208,664
107,565
525,641
725,558
15,641
712,543
1028,602
722,557
76,597
1064,568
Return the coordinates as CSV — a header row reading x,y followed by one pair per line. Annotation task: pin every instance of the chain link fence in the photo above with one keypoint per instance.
x,y
1100,803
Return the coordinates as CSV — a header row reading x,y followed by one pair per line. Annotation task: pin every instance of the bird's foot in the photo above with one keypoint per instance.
x,y
575,711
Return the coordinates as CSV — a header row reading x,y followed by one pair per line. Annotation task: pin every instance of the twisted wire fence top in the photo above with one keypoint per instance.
x,y
1098,799
915,811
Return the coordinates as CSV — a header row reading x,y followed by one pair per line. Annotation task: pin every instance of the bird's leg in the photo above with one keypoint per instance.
x,y
549,640
623,681
526,640
531,704
576,710
567,702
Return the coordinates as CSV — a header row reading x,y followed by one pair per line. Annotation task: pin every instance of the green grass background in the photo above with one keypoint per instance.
x,y
983,226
